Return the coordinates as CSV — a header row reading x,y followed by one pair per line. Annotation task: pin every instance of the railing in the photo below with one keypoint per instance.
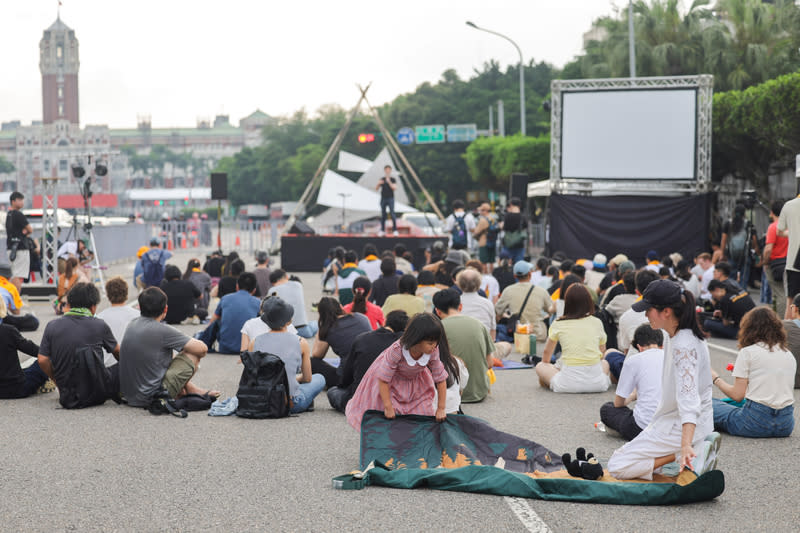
x,y
247,236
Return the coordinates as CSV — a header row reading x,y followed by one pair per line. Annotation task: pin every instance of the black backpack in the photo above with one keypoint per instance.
x,y
609,326
263,388
459,232
88,381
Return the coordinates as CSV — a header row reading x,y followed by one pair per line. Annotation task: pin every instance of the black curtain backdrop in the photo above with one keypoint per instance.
x,y
581,226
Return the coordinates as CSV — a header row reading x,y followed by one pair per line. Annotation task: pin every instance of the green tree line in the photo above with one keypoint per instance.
x,y
742,43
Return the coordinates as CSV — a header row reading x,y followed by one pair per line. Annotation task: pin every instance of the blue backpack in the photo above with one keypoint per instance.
x,y
152,268
459,233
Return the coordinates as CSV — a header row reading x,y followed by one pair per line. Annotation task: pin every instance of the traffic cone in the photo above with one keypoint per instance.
x,y
170,246
196,242
238,240
184,244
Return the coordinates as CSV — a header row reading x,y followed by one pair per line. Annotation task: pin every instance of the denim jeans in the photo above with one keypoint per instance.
x,y
516,254
306,393
309,330
716,327
753,420
387,204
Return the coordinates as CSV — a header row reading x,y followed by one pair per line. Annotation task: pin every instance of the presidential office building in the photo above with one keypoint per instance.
x,y
50,147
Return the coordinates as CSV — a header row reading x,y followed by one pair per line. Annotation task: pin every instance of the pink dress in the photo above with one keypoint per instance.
x,y
411,388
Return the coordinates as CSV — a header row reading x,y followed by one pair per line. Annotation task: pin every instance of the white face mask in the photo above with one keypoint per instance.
x,y
422,361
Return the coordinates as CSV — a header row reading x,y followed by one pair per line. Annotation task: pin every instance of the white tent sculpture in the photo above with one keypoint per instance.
x,y
353,163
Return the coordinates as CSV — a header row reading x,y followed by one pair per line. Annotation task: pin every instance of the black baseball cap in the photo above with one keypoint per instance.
x,y
660,293
715,284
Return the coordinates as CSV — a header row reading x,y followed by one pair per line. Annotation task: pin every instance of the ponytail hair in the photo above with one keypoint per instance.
x,y
72,264
361,289
686,314
449,361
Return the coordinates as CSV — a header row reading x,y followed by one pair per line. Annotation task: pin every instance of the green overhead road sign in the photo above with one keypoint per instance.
x,y
430,134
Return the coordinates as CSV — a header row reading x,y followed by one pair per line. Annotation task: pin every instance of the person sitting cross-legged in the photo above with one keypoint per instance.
x,y
293,351
640,381
366,348
65,337
14,381
147,363
232,311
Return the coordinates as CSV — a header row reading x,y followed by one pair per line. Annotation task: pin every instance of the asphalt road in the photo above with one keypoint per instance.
x,y
116,468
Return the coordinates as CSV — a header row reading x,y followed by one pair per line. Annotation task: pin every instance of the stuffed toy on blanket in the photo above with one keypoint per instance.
x,y
584,466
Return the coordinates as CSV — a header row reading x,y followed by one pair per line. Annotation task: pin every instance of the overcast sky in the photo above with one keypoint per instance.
x,y
180,60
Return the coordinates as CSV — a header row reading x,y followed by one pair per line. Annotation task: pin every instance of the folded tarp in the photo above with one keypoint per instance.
x,y
466,454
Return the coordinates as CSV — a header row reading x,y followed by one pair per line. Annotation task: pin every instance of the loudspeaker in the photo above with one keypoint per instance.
x,y
219,186
300,227
518,186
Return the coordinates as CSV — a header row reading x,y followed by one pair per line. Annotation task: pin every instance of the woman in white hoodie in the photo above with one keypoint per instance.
x,y
683,425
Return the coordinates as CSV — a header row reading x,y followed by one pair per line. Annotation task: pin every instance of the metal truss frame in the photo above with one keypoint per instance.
x,y
703,84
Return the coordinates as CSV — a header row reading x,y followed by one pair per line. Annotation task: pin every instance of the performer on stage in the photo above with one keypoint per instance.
x,y
387,184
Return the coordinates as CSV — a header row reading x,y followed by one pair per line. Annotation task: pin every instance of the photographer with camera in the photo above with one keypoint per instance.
x,y
738,239
18,241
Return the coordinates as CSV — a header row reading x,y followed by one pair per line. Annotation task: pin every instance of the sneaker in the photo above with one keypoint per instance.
x,y
381,233
706,460
47,386
195,320
395,233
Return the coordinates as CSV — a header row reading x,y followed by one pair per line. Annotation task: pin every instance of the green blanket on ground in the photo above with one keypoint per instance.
x,y
467,454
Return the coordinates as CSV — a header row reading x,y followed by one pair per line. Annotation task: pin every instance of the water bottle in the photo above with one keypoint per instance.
x,y
599,426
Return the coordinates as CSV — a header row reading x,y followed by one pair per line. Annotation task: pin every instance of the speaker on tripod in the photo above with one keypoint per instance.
x,y
219,186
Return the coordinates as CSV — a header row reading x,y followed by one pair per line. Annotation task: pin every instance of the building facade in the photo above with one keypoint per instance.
x,y
136,158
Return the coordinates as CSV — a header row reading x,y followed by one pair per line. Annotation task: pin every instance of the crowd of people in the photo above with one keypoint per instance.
x,y
408,338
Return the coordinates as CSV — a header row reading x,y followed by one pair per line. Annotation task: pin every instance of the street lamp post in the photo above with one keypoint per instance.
x,y
631,41
521,74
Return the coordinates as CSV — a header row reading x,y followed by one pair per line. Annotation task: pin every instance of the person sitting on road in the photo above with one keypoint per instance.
x,y
764,375
230,315
119,315
12,310
722,272
213,266
291,291
182,296
360,304
682,427
293,351
406,298
467,341
227,284
386,285
77,329
489,287
640,381
619,286
426,288
371,264
337,330
346,275
262,273
511,299
404,266
474,305
147,364
792,328
581,367
730,308
153,262
202,281
72,275
255,327
366,348
14,381
630,321
504,271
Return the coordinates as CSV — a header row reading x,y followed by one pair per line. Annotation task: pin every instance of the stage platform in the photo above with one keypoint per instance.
x,y
306,253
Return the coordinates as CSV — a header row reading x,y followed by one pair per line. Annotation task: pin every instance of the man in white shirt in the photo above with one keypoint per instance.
x,y
472,303
704,260
631,320
460,235
640,381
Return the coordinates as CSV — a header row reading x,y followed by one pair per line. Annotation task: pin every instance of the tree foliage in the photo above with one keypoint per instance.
x,y
295,145
757,130
6,166
494,159
741,42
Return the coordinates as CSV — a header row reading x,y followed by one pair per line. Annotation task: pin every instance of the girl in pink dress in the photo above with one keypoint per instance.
x,y
404,378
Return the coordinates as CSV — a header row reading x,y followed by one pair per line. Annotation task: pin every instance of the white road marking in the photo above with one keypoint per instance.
x,y
723,348
527,515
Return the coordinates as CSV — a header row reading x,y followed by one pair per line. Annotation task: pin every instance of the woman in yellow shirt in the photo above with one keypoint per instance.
x,y
581,367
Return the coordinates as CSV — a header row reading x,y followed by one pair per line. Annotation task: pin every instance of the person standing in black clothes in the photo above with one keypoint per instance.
x,y
18,231
514,231
182,296
387,184
366,348
15,382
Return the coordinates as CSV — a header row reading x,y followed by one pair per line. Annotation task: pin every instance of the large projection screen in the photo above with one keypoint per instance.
x,y
629,134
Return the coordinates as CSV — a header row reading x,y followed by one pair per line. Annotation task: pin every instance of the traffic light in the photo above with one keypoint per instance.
x,y
366,137
186,201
